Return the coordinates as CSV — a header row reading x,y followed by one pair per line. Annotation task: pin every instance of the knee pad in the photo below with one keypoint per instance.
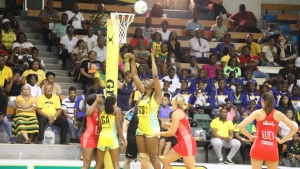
x,y
144,160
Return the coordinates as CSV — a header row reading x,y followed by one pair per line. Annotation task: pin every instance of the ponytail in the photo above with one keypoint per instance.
x,y
269,100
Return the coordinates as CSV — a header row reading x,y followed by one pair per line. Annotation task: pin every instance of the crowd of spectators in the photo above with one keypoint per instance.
x,y
30,99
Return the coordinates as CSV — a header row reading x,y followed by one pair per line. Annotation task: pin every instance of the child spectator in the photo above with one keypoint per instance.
x,y
35,70
165,88
175,85
171,62
165,109
163,55
184,90
239,98
183,76
248,78
267,88
156,41
220,95
250,91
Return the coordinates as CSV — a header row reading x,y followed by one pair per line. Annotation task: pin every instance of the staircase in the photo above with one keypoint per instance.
x,y
52,62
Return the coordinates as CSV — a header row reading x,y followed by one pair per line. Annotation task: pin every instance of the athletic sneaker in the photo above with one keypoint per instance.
x,y
11,140
229,161
220,162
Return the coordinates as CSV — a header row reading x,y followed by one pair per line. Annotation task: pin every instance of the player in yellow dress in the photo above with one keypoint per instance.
x,y
147,106
110,125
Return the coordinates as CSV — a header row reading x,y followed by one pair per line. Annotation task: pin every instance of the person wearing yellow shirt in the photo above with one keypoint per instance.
x,y
156,42
25,121
255,47
35,70
222,133
245,142
49,112
100,77
5,72
231,53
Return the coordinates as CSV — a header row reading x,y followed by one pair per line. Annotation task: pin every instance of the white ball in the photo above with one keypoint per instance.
x,y
140,7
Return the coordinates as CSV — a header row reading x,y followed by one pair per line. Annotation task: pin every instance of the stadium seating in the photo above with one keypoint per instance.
x,y
281,7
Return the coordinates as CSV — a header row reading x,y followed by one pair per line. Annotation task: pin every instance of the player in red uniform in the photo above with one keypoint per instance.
x,y
89,138
180,127
264,147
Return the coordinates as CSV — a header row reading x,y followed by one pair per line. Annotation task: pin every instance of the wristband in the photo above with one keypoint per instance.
x,y
54,118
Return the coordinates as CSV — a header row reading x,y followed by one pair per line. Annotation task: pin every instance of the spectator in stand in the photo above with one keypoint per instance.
x,y
285,51
6,72
199,46
285,104
35,70
222,48
222,131
50,80
17,63
90,39
171,63
101,13
165,32
67,44
100,77
219,30
264,39
67,107
49,111
298,27
88,68
125,93
100,49
205,9
35,90
25,121
21,45
14,23
47,19
292,81
35,57
3,119
156,42
244,21
138,34
245,142
174,81
60,29
3,48
192,25
99,29
219,8
220,96
248,62
141,54
79,54
255,47
174,45
8,36
13,88
288,69
232,67
76,19
147,30
269,53
231,53
293,150
212,66
193,67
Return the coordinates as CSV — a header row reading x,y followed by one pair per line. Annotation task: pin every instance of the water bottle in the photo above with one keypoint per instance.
x,y
20,155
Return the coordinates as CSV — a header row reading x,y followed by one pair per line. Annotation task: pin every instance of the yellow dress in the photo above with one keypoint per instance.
x,y
147,114
108,139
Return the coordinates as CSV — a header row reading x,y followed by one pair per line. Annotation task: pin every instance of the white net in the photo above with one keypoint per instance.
x,y
121,21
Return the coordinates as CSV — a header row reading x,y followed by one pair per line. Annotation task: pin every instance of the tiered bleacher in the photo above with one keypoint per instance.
x,y
52,56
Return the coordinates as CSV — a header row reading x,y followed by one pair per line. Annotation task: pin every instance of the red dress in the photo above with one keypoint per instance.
x,y
265,145
89,138
186,144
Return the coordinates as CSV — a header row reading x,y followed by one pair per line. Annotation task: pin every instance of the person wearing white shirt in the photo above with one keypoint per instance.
x,y
172,77
165,33
199,46
76,18
283,129
148,31
100,49
90,39
67,44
